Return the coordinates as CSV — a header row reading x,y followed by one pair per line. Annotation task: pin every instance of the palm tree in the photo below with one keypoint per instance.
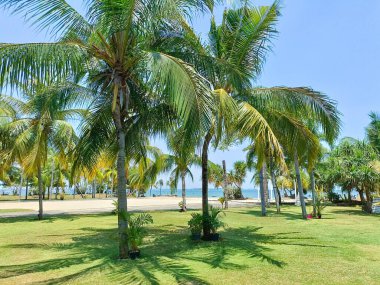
x,y
41,123
285,110
231,61
180,161
373,131
237,176
117,45
160,184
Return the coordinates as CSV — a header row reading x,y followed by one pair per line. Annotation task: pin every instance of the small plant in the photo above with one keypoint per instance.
x,y
116,205
180,205
136,231
214,222
222,200
319,206
62,196
196,225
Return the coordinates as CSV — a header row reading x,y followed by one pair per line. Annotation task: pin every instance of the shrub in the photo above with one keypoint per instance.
x,y
116,205
136,231
214,220
196,223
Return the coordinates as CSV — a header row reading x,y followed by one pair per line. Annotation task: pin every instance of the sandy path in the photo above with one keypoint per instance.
x,y
106,205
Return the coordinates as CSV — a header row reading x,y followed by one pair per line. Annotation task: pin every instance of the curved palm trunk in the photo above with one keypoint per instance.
x,y
275,189
183,192
369,200
314,196
40,193
121,171
205,213
300,189
262,190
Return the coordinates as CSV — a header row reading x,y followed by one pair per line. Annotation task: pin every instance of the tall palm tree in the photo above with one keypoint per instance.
x,y
232,57
231,61
41,123
117,45
285,110
180,161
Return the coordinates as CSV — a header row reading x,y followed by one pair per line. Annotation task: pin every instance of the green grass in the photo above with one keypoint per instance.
x,y
342,248
15,210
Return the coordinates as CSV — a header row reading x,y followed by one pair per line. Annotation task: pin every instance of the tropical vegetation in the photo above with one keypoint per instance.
x,y
82,111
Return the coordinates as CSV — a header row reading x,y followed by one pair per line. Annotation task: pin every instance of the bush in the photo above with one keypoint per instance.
x,y
333,197
214,220
136,230
196,223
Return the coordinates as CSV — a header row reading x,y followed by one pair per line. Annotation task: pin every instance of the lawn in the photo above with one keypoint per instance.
x,y
342,248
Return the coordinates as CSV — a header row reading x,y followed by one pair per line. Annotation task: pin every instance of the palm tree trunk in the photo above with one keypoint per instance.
x,y
26,188
225,185
183,192
369,201
121,173
278,193
313,194
205,213
349,196
299,182
51,183
94,189
274,183
262,191
362,199
40,205
20,188
266,188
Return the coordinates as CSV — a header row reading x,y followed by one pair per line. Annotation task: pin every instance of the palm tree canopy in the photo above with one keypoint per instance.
x,y
373,131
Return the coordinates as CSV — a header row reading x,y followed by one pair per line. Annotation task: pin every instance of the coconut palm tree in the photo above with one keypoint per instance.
x,y
116,45
373,131
180,161
41,123
231,61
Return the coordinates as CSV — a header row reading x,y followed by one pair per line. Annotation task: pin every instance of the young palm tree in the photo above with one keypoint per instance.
x,y
116,44
41,123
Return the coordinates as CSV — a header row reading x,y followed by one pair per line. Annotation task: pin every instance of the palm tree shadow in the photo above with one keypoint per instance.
x,y
167,253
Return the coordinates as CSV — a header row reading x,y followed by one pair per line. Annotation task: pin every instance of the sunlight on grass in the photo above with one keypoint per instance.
x,y
342,248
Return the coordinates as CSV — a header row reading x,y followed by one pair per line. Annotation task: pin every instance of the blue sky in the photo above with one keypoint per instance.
x,y
331,46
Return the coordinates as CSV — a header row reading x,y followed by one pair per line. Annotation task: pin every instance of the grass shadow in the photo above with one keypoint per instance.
x,y
168,253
